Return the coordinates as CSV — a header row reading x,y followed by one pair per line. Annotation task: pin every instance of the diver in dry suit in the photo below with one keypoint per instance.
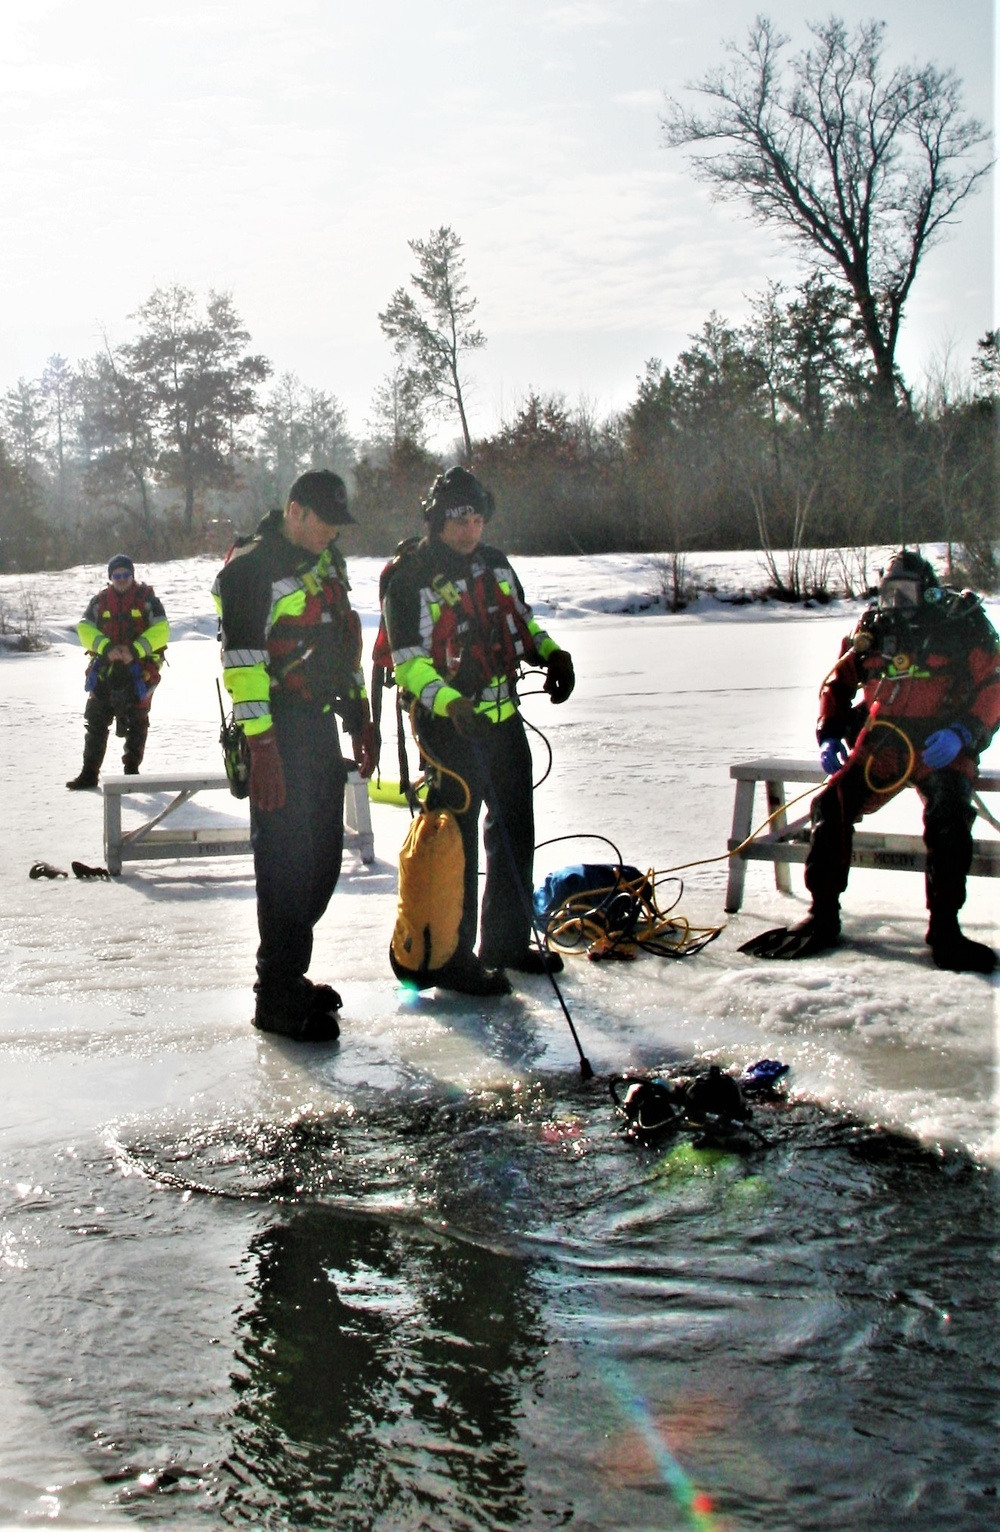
x,y
928,662
460,630
291,655
125,631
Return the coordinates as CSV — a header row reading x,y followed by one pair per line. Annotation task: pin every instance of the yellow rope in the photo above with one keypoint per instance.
x,y
911,760
578,922
425,755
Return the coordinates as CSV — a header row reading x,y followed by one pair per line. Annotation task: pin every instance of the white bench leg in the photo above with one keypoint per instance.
x,y
113,832
358,816
776,806
742,825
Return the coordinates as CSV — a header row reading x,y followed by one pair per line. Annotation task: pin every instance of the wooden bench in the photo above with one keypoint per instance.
x,y
148,842
785,841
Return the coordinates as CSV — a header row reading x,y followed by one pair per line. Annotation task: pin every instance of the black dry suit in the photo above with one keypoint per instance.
x,y
291,657
117,692
459,626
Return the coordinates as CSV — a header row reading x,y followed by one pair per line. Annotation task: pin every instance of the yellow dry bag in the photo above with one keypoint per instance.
x,y
431,884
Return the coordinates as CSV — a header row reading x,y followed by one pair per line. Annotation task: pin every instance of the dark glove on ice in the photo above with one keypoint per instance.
x,y
832,755
944,744
560,681
267,775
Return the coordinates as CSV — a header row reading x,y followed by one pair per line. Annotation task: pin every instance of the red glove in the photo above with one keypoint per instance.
x,y
267,775
560,681
366,750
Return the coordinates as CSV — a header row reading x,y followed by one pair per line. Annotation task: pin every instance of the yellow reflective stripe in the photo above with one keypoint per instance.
x,y
156,636
415,675
291,605
92,638
252,684
254,726
497,703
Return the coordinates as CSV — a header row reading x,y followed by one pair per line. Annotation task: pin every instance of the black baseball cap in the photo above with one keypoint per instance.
x,y
325,494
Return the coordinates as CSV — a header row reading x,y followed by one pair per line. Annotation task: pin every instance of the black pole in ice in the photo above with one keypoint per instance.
x,y
586,1072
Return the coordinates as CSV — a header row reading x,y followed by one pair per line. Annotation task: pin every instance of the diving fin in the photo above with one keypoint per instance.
x,y
81,870
46,870
814,934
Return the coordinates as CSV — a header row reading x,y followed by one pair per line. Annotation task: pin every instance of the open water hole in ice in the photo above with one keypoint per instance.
x,y
431,1310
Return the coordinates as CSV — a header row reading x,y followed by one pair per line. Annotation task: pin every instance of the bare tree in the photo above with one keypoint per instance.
x,y
860,165
431,331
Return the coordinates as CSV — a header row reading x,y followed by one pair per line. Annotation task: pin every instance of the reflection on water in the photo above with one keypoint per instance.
x,y
379,1372
422,1312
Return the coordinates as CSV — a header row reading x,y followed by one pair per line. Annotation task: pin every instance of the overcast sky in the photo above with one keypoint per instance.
x,y
287,152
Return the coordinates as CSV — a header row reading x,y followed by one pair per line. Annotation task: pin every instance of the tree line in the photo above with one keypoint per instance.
x,y
760,435
790,432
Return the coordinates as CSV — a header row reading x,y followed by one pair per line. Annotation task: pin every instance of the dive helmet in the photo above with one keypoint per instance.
x,y
906,579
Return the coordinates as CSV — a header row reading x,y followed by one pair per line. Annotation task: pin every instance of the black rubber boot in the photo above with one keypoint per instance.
x,y
136,732
306,1013
88,778
818,932
321,999
952,950
466,975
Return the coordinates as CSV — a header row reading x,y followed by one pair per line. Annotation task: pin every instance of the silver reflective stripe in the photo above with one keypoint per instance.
x,y
245,710
427,617
400,656
498,691
242,659
428,694
512,628
280,589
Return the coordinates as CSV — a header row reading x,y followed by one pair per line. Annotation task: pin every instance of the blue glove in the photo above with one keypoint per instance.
x,y
944,744
832,755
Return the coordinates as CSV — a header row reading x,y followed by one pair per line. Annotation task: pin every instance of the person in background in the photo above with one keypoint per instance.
x,y
125,631
291,655
928,662
460,631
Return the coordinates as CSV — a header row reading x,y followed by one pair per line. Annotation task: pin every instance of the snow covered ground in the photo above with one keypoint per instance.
x,y
134,997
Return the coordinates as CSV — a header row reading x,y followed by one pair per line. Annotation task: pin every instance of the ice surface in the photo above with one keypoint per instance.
x,y
136,995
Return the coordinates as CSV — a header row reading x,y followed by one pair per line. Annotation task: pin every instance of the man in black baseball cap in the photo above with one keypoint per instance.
x,y
291,655
325,494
